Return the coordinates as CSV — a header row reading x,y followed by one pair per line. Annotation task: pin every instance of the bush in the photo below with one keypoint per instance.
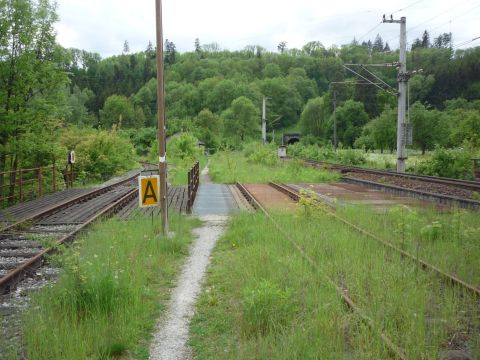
x,y
262,154
351,157
104,154
182,147
326,153
452,163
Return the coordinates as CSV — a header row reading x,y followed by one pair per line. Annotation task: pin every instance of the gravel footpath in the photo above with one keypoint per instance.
x,y
170,338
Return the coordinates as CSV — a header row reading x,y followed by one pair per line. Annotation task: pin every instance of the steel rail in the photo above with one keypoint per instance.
x,y
423,264
464,184
392,347
68,202
8,281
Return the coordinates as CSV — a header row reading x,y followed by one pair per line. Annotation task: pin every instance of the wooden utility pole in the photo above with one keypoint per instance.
x,y
402,93
162,166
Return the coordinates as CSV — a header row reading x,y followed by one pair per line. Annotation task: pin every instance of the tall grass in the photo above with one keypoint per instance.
x,y
447,239
229,167
108,296
296,314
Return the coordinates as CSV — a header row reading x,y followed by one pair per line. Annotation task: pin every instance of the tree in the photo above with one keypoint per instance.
x,y
31,82
386,48
384,130
351,117
272,71
76,111
119,111
285,101
222,95
241,119
314,119
468,128
282,46
126,48
314,48
420,87
209,121
198,48
429,129
377,44
426,39
170,52
443,41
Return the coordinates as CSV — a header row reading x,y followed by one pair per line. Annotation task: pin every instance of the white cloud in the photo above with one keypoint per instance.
x,y
103,26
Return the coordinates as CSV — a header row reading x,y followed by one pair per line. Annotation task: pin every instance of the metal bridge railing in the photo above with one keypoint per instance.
x,y
193,182
27,184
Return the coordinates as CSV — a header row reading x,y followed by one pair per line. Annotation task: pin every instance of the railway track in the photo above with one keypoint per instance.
x,y
293,194
464,184
448,191
394,350
34,230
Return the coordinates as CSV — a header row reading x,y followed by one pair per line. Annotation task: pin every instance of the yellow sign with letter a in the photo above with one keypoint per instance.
x,y
149,190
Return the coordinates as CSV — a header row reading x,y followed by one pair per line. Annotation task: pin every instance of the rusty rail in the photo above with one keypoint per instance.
x,y
394,349
193,183
9,281
449,278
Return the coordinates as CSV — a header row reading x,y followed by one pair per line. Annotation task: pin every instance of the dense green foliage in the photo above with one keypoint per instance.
x,y
217,94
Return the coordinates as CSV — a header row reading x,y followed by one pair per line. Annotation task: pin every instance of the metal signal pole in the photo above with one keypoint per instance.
x,y
264,121
162,167
335,119
402,93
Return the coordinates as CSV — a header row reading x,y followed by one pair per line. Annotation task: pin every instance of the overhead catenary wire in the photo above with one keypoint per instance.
x,y
369,81
369,31
436,16
408,6
466,42
469,11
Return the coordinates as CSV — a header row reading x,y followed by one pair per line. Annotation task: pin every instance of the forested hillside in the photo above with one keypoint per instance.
x,y
53,99
298,86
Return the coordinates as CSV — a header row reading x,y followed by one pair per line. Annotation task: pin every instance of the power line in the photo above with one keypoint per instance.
x,y
369,31
408,6
438,15
466,42
455,17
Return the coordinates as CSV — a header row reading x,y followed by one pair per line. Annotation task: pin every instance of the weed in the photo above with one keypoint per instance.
x,y
266,307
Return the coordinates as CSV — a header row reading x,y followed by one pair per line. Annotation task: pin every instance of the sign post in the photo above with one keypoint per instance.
x,y
162,166
149,190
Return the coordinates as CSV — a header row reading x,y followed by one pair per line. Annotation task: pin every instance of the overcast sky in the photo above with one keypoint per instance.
x,y
103,25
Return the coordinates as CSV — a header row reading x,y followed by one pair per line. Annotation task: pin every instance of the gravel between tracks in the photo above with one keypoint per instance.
x,y
172,333
413,184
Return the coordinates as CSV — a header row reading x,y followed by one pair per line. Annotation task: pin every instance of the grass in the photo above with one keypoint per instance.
x,y
388,160
178,169
447,239
262,300
108,296
229,167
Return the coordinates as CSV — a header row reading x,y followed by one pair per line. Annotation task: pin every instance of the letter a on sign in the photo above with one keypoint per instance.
x,y
148,187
